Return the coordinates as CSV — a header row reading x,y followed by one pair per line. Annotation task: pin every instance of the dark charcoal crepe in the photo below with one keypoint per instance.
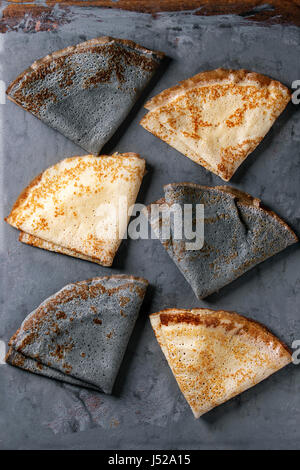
x,y
79,335
86,91
238,234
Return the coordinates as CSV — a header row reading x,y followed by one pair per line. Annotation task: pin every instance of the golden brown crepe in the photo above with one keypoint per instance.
x,y
80,206
215,355
217,118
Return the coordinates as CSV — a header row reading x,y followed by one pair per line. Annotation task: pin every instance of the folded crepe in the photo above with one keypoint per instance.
x,y
79,335
217,118
86,91
80,206
239,233
215,355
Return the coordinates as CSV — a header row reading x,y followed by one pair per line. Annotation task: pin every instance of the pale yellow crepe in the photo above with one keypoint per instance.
x,y
80,206
40,243
215,355
217,118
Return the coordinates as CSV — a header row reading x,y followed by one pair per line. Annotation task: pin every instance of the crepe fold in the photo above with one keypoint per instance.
x,y
86,91
217,118
79,335
80,206
239,233
215,355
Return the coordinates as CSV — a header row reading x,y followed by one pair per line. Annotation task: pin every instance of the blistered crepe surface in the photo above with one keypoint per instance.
x,y
215,355
86,91
40,243
217,118
81,204
238,234
18,359
82,331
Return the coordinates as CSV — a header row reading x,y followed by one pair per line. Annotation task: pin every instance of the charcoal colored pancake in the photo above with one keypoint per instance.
x,y
86,91
18,359
80,334
239,233
216,355
217,118
80,206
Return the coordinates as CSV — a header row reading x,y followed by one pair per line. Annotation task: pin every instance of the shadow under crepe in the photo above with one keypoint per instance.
x,y
126,364
134,340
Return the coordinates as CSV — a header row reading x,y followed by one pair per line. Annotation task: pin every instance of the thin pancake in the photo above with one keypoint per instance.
x,y
81,205
86,91
40,243
217,118
80,334
215,355
239,233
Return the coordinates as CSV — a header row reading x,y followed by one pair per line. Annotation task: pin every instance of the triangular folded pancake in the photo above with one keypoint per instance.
x,y
86,91
215,355
80,206
79,335
18,359
217,118
239,233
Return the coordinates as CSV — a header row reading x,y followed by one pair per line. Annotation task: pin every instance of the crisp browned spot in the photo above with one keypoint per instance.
x,y
109,335
124,301
67,368
61,349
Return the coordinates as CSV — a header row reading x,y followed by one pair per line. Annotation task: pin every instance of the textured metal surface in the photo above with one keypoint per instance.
x,y
148,410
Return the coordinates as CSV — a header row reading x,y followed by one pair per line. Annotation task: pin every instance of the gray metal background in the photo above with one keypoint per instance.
x,y
148,410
